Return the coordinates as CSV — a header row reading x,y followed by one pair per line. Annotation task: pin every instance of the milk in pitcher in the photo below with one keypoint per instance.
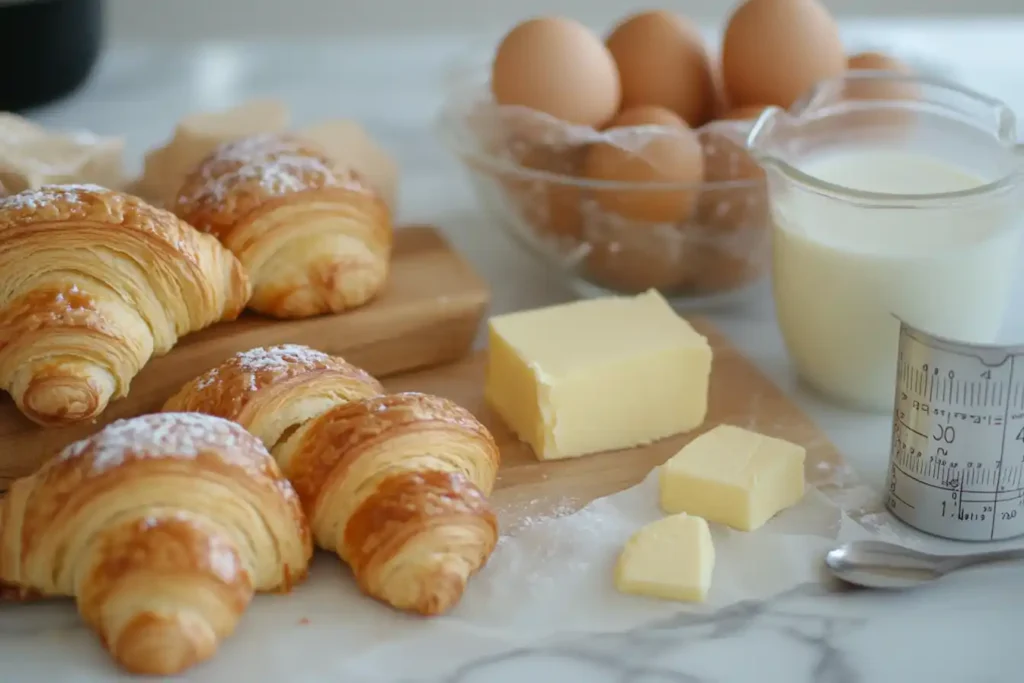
x,y
843,275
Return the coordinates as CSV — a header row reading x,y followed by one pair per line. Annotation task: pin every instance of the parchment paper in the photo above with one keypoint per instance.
x,y
547,576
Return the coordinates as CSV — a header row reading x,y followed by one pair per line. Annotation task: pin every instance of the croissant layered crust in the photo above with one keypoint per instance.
x,y
396,485
313,239
161,527
93,283
272,390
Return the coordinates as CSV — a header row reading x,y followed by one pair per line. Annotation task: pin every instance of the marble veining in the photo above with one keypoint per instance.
x,y
963,629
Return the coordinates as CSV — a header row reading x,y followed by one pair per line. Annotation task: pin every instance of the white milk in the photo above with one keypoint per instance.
x,y
843,272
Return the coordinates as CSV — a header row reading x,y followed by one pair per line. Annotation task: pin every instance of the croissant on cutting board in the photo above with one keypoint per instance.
x,y
313,239
93,283
395,484
162,528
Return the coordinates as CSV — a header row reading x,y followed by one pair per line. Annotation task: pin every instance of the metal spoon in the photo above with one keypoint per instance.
x,y
876,564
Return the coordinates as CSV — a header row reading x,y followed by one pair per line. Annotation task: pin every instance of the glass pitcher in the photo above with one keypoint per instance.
x,y
891,197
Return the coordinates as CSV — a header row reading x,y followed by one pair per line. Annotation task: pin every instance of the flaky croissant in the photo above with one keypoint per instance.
x,y
161,527
271,391
396,484
93,283
313,239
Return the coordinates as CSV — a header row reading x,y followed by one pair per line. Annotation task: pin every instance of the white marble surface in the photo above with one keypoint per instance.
x,y
965,629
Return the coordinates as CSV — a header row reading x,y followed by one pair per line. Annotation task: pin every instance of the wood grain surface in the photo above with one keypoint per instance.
x,y
740,394
429,314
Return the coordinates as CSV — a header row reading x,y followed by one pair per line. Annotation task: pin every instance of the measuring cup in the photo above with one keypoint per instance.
x,y
863,244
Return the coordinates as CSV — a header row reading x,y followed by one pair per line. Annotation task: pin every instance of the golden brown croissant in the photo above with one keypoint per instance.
x,y
313,239
161,527
271,391
395,484
93,283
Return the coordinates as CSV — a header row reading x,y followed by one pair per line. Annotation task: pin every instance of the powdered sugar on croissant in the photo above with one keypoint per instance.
x,y
396,484
161,527
313,239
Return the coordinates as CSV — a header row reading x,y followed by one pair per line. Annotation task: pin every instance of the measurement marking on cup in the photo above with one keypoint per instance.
x,y
957,455
1002,453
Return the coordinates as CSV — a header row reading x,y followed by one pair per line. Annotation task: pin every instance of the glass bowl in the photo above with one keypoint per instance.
x,y
699,244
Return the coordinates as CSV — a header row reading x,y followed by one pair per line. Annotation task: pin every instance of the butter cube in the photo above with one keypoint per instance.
x,y
672,559
597,375
734,477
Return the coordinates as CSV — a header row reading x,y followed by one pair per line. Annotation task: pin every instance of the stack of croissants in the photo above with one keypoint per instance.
x,y
163,527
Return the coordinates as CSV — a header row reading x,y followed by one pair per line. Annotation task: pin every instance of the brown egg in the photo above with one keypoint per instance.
x,y
726,157
551,206
733,221
774,51
647,115
662,61
634,245
879,90
559,67
724,268
665,158
877,61
747,113
635,258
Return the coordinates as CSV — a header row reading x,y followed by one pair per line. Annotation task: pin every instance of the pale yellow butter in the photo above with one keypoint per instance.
x,y
672,558
597,375
733,476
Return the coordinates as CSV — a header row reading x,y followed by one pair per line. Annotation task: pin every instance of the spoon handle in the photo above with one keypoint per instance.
x,y
960,561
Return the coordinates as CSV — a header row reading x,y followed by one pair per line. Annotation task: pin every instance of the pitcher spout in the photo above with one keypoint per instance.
x,y
760,142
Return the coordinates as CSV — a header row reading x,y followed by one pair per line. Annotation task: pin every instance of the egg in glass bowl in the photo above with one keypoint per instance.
x,y
621,186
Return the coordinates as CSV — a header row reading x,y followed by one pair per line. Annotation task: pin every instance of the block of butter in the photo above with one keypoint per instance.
x,y
672,559
597,375
734,477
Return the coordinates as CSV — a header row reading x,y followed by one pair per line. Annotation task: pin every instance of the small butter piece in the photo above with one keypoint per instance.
x,y
734,477
597,375
672,558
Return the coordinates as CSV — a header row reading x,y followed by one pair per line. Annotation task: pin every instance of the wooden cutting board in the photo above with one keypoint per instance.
x,y
740,394
429,314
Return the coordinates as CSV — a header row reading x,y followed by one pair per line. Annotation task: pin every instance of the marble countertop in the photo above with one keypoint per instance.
x,y
965,629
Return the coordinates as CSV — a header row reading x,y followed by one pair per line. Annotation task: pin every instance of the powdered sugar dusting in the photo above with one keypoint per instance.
x,y
47,195
276,359
162,435
279,165
280,357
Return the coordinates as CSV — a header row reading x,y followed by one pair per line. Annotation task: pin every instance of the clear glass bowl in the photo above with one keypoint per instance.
x,y
700,244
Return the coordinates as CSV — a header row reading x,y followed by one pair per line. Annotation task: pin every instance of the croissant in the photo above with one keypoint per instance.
x,y
395,484
161,527
313,239
271,391
93,283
